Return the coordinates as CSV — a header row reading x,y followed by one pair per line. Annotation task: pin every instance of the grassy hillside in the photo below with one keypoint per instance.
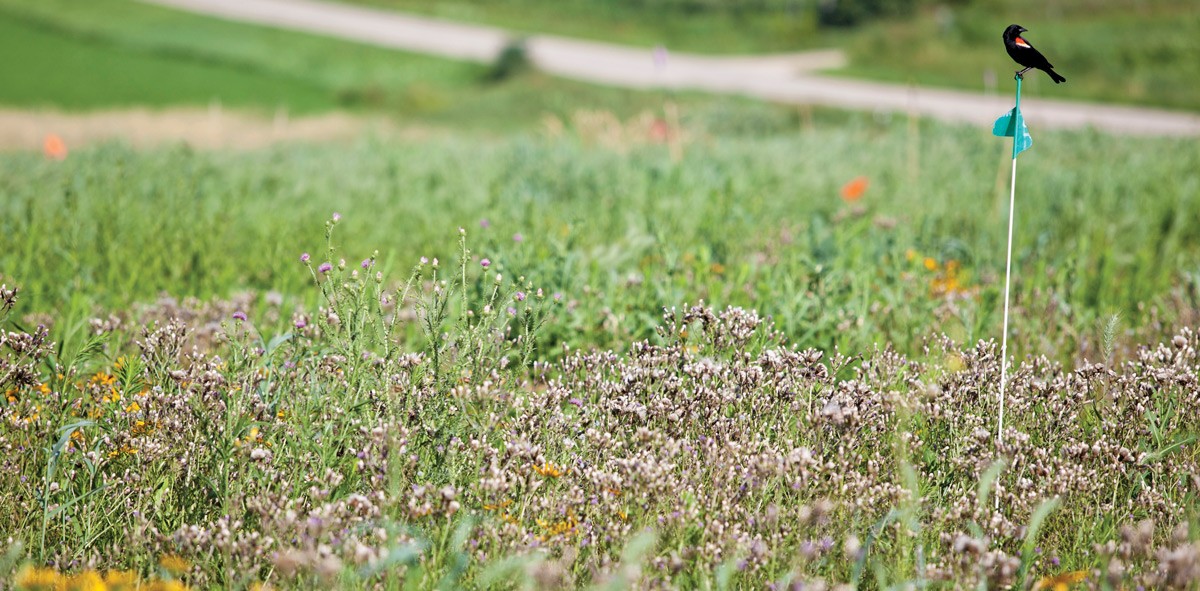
x,y
1126,52
113,53
700,28
119,53
1110,50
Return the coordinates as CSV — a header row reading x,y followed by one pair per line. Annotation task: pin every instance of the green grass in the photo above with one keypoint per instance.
x,y
745,218
49,68
1115,50
639,24
118,53
192,60
337,436
401,437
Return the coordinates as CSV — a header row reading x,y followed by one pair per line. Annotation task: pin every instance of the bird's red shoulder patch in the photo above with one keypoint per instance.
x,y
1022,42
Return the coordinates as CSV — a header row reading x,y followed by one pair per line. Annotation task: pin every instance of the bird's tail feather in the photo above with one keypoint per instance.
x,y
1055,77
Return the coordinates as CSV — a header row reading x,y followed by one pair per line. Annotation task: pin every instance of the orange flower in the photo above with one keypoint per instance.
x,y
853,190
54,147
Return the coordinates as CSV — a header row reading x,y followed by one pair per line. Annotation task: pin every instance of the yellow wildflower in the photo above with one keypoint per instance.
x,y
931,264
38,579
174,564
126,449
120,580
1062,582
548,470
557,528
88,580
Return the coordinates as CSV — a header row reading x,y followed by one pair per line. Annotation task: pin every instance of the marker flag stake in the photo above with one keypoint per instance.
x,y
1012,125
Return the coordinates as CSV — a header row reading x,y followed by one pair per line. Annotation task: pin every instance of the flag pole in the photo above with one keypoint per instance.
x,y
1012,203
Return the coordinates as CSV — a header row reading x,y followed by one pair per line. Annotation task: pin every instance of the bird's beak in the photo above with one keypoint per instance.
x,y
1023,29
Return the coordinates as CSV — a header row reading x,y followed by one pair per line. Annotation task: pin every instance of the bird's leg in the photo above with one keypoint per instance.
x,y
1021,74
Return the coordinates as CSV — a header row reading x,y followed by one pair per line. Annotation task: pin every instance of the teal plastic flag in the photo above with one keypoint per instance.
x,y
1012,124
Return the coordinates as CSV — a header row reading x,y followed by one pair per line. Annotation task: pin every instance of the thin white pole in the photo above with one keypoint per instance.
x,y
1012,204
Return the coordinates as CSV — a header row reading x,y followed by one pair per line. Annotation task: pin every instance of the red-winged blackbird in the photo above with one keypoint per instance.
x,y
1023,53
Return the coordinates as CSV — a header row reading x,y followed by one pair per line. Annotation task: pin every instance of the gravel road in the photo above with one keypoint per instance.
x,y
786,78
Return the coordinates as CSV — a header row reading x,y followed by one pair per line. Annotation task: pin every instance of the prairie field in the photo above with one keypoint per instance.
x,y
591,356
535,334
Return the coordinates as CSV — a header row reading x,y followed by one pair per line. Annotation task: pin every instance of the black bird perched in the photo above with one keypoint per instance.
x,y
1023,53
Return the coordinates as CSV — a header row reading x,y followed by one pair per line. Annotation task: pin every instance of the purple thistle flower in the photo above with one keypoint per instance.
x,y
484,223
485,263
512,311
325,267
301,323
518,237
577,402
239,315
366,264
336,216
304,258
520,296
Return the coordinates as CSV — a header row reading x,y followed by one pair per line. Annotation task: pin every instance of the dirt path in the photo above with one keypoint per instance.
x,y
212,128
786,78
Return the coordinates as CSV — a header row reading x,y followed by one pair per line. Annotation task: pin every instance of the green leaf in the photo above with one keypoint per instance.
x,y
988,481
1035,523
275,342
